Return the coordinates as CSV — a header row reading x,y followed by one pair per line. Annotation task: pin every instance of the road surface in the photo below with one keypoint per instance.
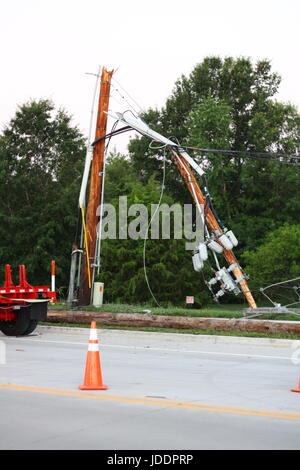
x,y
166,391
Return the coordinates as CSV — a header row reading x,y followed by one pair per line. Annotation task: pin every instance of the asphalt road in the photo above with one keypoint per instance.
x,y
166,391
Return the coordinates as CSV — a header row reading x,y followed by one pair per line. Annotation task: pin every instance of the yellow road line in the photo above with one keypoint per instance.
x,y
157,402
138,398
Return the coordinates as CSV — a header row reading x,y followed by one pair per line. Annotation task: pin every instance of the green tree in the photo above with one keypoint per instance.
x,y
229,104
168,264
277,259
41,160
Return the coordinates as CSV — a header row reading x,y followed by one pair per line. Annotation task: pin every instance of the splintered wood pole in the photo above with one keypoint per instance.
x,y
197,195
96,180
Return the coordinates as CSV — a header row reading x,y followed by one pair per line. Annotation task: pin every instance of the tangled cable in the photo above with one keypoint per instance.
x,y
152,218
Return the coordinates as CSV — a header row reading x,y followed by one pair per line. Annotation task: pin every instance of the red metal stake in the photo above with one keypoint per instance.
x,y
8,284
23,282
53,275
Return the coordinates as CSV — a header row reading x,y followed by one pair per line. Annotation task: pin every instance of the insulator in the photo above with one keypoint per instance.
x,y
212,281
220,293
232,267
232,238
214,246
197,262
203,251
226,242
227,280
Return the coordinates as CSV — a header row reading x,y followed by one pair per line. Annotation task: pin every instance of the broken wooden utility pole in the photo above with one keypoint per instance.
x,y
96,181
212,223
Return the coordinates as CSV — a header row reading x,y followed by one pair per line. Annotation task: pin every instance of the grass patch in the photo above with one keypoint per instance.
x,y
210,311
182,331
234,310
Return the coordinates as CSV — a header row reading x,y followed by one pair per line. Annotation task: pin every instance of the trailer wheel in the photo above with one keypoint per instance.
x,y
19,326
13,327
32,326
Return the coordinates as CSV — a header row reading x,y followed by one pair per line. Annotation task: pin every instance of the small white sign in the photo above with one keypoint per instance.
x,y
189,299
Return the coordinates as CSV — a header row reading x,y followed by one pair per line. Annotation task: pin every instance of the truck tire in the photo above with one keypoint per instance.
x,y
32,326
13,327
17,327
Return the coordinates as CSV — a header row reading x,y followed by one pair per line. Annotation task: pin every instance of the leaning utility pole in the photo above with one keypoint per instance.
x,y
96,181
212,223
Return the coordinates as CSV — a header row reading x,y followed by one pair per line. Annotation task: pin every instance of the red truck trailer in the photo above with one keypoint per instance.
x,y
22,306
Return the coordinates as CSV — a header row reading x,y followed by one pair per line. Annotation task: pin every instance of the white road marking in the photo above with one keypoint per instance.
x,y
150,348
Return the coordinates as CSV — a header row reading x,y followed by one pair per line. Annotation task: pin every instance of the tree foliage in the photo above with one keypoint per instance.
x,y
41,157
277,258
225,104
167,263
229,104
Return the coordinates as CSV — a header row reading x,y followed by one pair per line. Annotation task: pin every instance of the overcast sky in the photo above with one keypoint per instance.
x,y
47,46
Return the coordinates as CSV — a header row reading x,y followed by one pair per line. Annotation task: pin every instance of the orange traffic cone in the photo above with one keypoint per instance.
x,y
93,376
296,389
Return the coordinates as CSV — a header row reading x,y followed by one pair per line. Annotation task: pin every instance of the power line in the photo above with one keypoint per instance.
x,y
129,96
264,156
282,158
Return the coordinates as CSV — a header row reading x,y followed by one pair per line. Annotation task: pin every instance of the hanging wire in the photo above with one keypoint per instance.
x,y
262,156
134,101
112,95
152,218
123,97
99,233
282,158
113,133
279,285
